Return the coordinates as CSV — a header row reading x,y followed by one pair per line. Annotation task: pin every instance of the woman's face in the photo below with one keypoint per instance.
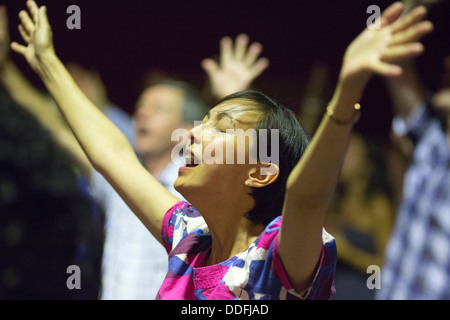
x,y
219,156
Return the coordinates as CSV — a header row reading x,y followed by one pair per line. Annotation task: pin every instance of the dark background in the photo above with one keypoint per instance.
x,y
124,39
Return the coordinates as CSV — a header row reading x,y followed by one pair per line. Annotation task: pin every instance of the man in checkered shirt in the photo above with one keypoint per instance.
x,y
417,264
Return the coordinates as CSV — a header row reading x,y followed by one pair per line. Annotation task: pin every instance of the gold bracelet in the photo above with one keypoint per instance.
x,y
353,120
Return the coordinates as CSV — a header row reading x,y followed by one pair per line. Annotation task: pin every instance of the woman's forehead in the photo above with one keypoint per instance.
x,y
238,109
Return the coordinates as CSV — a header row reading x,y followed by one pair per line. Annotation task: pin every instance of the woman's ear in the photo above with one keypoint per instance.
x,y
263,175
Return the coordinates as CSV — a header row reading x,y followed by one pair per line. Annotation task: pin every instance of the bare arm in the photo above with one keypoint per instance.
x,y
311,183
106,147
31,99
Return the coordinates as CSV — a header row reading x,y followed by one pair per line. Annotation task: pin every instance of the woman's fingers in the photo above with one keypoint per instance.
x,y
34,10
259,67
42,17
240,46
31,23
27,23
226,46
18,48
391,14
253,53
240,51
405,32
386,69
409,20
210,66
412,33
403,51
24,34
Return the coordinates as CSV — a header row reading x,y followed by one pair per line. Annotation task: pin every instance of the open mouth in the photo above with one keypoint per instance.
x,y
191,160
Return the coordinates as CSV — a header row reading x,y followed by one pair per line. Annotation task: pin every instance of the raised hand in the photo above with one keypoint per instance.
x,y
37,34
375,50
239,65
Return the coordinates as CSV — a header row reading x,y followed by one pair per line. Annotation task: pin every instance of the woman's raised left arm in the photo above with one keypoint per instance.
x,y
312,182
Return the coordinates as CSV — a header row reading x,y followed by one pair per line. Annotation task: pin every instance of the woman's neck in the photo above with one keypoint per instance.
x,y
231,232
231,241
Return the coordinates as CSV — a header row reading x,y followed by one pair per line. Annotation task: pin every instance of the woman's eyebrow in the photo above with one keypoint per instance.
x,y
219,115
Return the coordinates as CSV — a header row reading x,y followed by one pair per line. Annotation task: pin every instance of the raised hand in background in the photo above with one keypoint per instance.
x,y
239,65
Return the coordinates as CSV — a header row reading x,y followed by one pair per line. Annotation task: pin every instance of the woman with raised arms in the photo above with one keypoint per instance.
x,y
246,233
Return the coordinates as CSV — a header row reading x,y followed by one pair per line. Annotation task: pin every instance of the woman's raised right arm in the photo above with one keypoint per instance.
x,y
104,144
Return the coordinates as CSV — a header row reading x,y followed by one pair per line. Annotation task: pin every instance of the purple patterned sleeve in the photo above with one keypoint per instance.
x,y
322,286
169,223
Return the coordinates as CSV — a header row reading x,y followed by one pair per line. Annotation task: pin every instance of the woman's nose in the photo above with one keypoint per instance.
x,y
196,134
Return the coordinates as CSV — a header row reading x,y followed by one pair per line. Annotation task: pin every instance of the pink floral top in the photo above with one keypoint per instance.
x,y
257,273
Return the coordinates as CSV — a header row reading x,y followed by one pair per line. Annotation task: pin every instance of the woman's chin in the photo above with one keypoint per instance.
x,y
181,186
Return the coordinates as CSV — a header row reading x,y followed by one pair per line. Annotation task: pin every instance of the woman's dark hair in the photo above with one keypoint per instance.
x,y
293,141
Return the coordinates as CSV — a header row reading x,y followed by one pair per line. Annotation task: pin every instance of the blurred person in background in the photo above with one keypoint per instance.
x,y
48,219
417,261
361,216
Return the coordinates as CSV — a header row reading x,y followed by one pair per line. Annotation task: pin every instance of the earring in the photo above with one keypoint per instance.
x,y
247,182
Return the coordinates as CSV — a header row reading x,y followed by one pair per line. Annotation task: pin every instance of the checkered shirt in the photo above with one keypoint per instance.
x,y
417,264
